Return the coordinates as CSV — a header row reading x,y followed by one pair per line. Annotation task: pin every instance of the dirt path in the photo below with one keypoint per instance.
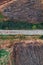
x,y
24,32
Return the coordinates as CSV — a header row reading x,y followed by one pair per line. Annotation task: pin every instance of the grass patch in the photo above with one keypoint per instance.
x,y
21,37
3,53
1,16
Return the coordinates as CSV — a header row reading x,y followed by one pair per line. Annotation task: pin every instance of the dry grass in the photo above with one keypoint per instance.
x,y
9,41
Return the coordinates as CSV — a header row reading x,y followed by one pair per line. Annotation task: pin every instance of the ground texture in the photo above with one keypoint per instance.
x,y
30,53
25,10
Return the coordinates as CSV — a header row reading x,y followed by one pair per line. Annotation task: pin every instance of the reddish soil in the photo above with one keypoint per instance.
x,y
4,1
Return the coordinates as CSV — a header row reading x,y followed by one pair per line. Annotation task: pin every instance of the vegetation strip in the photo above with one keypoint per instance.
x,y
13,25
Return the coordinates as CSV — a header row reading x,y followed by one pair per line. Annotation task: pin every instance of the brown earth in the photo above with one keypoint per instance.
x,y
30,53
4,1
25,10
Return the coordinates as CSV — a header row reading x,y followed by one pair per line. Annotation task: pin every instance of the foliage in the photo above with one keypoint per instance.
x,y
34,27
41,37
4,56
11,25
3,53
1,16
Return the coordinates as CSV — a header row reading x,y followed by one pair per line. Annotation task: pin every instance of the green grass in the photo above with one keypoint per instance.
x,y
1,16
4,57
19,25
3,53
